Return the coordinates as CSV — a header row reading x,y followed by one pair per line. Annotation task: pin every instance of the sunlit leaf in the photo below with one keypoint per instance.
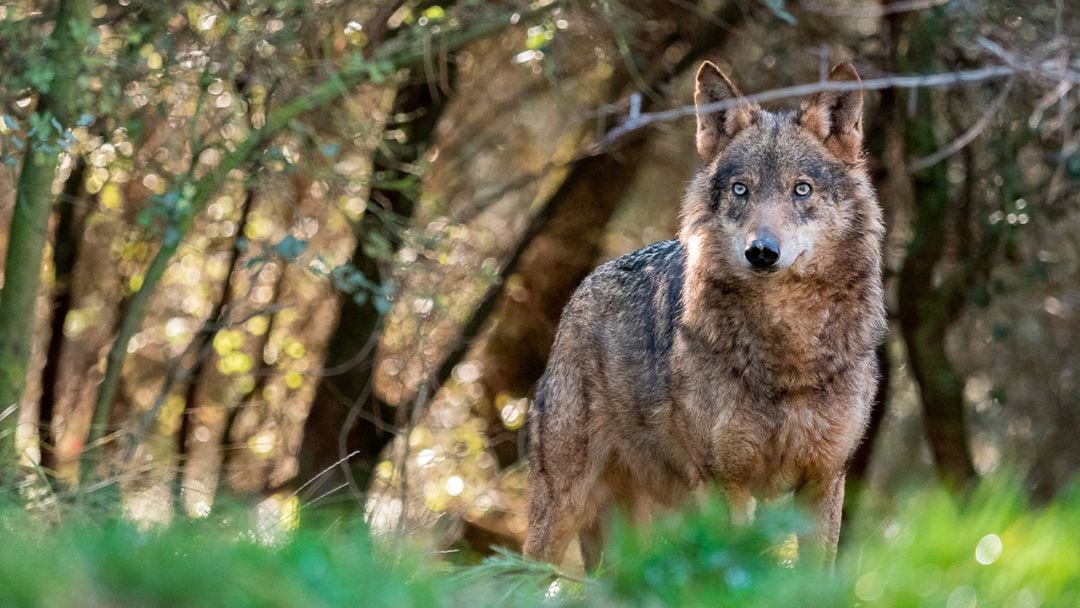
x,y
110,197
294,349
434,13
294,380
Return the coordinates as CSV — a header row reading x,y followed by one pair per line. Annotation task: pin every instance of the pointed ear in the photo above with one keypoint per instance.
x,y
716,128
836,116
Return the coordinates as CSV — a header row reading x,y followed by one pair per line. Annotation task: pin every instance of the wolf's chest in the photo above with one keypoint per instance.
x,y
739,427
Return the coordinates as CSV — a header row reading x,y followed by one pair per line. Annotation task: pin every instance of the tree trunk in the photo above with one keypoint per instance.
x,y
890,177
566,249
927,310
65,252
202,347
318,97
346,416
29,222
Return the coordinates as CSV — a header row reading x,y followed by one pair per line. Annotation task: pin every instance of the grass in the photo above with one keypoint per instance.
x,y
927,548
205,563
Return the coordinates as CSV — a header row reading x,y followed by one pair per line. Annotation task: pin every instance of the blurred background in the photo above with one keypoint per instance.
x,y
311,255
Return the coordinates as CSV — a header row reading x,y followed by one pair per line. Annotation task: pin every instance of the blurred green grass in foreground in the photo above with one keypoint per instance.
x,y
928,548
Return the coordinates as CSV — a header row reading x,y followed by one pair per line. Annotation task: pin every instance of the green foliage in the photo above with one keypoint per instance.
x,y
350,280
698,558
991,549
203,563
929,548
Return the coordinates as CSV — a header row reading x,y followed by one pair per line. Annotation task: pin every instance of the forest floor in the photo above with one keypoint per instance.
x,y
927,548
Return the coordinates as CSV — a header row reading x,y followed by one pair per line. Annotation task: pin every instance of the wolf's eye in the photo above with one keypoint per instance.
x,y
802,189
739,189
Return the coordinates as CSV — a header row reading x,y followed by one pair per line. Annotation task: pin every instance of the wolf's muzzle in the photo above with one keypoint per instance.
x,y
763,250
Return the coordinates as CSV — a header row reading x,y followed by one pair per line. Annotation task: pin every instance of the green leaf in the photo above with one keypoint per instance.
x,y
330,150
172,236
291,247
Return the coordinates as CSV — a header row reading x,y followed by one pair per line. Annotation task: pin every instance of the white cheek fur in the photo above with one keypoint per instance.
x,y
693,250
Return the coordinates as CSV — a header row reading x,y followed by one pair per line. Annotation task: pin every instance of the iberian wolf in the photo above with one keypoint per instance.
x,y
741,353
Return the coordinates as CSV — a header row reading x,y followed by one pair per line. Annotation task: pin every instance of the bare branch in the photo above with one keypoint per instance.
x,y
870,11
958,144
945,79
1044,103
1053,70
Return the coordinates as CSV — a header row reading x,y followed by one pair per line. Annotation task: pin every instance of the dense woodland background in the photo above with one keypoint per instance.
x,y
310,256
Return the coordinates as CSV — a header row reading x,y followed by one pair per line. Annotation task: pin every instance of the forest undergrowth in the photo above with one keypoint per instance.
x,y
930,547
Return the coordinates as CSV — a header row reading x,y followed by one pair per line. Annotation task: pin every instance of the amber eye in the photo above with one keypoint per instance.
x,y
739,189
802,189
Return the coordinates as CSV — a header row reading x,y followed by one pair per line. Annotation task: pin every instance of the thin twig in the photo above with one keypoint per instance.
x,y
1048,69
323,472
958,144
1044,103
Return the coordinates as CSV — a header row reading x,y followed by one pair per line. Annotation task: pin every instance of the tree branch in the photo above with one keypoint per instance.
x,y
944,79
968,136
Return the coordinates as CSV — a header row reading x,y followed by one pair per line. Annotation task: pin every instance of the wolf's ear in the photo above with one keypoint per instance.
x,y
836,116
715,129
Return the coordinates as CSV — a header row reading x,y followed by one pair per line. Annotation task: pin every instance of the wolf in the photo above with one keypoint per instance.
x,y
742,353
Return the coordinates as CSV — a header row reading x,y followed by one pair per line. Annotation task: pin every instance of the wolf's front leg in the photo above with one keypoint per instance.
x,y
741,503
825,498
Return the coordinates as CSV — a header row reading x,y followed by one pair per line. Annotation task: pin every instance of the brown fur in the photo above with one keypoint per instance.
x,y
680,365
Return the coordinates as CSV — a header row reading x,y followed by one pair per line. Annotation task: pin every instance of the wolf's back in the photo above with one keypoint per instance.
x,y
614,341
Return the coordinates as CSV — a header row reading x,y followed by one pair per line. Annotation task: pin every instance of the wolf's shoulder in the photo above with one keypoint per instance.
x,y
649,263
664,255
644,271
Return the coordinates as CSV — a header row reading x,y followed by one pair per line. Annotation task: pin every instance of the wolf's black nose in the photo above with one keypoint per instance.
x,y
763,251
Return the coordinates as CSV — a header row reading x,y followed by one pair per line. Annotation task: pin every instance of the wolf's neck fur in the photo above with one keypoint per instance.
x,y
785,331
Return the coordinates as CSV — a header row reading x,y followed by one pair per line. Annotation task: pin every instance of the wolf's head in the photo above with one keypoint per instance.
x,y
779,193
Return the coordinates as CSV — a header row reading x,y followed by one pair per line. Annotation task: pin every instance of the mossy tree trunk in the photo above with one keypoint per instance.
x,y
55,112
884,140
